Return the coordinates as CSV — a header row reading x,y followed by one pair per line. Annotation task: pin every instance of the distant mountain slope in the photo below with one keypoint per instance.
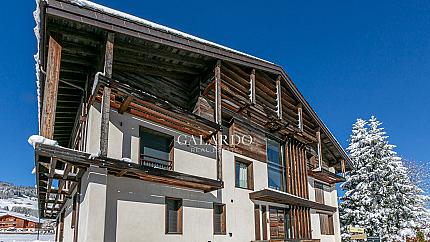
x,y
21,199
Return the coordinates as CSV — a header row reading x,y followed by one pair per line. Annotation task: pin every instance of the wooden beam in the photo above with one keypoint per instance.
x,y
343,167
109,55
105,106
51,89
252,87
300,115
125,104
319,147
218,117
278,97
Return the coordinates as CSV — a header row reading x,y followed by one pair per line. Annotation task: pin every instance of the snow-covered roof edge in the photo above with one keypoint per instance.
x,y
36,15
135,19
19,215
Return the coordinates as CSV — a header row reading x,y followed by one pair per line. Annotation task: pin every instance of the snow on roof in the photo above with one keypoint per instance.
x,y
19,215
132,18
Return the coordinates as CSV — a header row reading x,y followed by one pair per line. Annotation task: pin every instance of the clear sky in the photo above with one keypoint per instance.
x,y
350,59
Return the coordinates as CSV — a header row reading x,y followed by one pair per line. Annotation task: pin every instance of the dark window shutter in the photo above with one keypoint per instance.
x,y
219,219
173,216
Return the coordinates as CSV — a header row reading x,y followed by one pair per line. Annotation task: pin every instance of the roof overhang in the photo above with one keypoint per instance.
x,y
112,20
269,195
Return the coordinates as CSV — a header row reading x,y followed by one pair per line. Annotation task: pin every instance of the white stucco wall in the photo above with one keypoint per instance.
x,y
330,198
135,209
68,232
124,142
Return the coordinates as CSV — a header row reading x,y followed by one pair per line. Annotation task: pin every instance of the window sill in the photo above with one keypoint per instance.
x,y
244,188
174,233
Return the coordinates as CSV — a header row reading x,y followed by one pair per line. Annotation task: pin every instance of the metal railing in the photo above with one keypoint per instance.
x,y
156,162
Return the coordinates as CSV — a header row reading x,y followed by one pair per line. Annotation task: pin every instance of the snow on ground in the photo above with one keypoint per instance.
x,y
26,202
26,237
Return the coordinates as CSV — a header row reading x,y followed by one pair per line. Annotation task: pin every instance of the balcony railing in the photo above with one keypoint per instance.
x,y
156,162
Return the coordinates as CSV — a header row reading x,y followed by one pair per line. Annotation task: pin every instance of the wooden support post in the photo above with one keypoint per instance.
x,y
218,117
50,90
300,114
319,145
105,105
278,97
343,167
252,87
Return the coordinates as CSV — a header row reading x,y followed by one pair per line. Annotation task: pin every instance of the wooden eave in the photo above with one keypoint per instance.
x,y
45,174
94,17
269,195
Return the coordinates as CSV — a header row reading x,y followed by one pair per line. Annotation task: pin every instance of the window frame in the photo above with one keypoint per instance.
x,y
179,218
143,130
319,188
223,224
326,229
249,173
281,164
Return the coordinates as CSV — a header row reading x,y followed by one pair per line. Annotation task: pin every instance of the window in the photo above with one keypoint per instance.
x,y
173,216
326,224
319,192
219,219
243,174
156,149
275,167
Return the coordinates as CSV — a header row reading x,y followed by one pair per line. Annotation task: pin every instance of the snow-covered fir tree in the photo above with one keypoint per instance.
x,y
379,195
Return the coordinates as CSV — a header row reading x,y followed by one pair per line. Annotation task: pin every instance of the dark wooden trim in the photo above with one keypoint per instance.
x,y
257,222
288,199
105,106
218,117
264,218
180,216
223,219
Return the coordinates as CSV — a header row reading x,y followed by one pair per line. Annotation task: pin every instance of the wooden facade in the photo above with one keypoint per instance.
x,y
197,88
20,222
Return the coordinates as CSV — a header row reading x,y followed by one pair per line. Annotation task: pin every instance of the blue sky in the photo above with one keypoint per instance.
x,y
350,59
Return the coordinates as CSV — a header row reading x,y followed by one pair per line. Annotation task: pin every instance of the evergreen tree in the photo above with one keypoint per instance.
x,y
379,195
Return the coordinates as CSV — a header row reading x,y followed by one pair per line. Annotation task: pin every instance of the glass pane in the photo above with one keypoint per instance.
x,y
275,178
273,155
274,166
241,175
155,147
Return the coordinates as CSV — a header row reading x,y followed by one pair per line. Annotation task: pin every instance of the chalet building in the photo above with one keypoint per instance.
x,y
11,221
163,136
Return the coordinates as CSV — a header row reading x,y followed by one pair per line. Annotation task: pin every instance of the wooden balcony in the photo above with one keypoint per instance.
x,y
55,163
324,174
151,161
